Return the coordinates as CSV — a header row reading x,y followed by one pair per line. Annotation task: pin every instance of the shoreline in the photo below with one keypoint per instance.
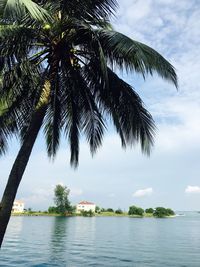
x,y
104,214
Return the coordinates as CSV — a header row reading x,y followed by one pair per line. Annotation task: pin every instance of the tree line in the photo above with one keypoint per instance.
x,y
159,212
64,207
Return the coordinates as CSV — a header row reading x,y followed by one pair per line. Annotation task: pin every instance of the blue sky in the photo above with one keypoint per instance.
x,y
118,178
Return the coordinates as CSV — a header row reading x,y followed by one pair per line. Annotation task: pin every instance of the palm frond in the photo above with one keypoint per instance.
x,y
71,115
135,56
8,126
53,118
92,119
73,130
134,122
125,53
25,39
89,10
16,8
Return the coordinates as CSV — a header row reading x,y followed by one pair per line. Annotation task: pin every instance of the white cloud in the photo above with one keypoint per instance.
x,y
192,189
143,192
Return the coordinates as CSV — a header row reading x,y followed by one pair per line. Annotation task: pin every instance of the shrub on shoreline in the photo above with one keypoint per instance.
x,y
134,210
161,212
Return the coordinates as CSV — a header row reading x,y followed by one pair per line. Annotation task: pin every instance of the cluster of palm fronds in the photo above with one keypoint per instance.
x,y
60,55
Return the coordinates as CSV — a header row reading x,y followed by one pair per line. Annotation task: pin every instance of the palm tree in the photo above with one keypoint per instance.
x,y
56,62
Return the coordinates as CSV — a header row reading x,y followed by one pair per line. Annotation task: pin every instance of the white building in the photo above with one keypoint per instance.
x,y
85,206
18,206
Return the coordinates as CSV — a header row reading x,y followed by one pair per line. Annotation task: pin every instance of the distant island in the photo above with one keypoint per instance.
x,y
134,212
63,207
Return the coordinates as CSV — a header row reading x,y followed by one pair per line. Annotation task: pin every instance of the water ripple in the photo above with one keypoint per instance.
x,y
82,242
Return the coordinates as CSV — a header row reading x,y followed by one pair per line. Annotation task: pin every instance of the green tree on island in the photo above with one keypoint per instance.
x,y
61,199
110,210
161,212
97,209
149,210
133,210
57,61
119,211
88,213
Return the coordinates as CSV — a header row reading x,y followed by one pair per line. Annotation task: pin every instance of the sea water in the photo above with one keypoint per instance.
x,y
102,241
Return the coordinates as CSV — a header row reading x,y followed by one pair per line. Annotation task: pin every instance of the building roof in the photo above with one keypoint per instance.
x,y
19,201
85,203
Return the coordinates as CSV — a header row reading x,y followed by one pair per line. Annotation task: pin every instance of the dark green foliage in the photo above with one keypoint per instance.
x,y
61,199
119,211
73,209
52,210
15,9
110,210
133,210
170,211
136,56
97,209
161,212
149,210
87,213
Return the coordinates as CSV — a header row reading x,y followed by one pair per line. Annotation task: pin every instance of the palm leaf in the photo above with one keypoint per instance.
x,y
16,8
134,122
53,118
73,130
71,115
89,10
132,55
8,126
92,120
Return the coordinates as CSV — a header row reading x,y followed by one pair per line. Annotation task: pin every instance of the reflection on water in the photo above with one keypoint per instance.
x,y
102,241
84,229
16,230
84,238
59,231
15,233
70,238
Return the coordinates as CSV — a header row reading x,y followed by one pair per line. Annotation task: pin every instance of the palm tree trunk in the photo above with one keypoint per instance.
x,y
18,170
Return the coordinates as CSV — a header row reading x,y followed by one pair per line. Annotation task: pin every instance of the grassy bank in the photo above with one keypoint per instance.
x,y
124,214
35,214
107,213
102,214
